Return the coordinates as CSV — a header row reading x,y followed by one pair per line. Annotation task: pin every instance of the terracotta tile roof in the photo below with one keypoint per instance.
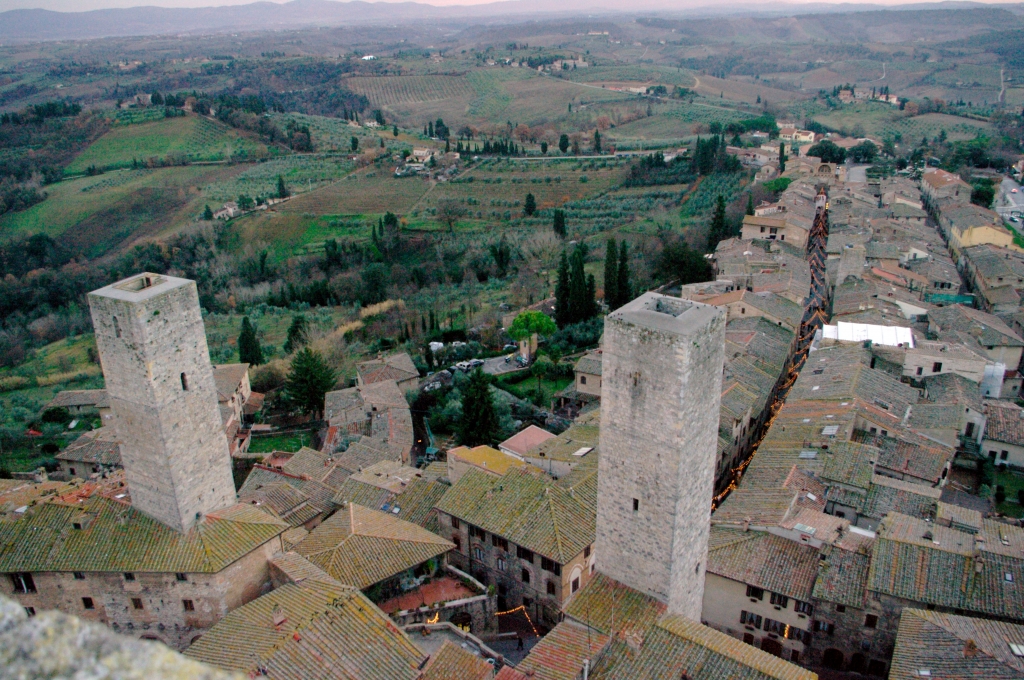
x,y
584,433
17,496
559,655
285,501
911,454
932,564
963,519
416,504
95,448
526,439
849,463
1005,422
590,363
326,631
509,673
360,547
228,378
485,458
604,604
843,578
893,495
527,508
66,398
360,493
764,560
116,537
396,367
678,646
581,483
987,328
316,493
451,662
955,647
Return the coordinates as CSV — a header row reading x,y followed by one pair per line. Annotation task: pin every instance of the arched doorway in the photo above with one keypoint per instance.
x,y
857,663
833,659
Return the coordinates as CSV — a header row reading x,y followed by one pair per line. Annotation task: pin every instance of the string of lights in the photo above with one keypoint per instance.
x,y
814,319
520,608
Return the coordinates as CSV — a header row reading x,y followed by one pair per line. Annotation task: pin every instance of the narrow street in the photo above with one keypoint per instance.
x,y
815,316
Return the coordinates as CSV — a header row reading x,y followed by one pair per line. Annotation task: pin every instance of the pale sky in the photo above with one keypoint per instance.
x,y
85,5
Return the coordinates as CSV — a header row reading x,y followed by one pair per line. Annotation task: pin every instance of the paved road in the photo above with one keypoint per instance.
x,y
857,173
497,366
1010,202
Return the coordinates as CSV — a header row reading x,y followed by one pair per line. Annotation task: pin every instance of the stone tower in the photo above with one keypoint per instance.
x,y
159,379
660,396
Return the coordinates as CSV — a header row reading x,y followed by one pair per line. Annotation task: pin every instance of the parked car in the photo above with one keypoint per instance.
x,y
510,346
473,363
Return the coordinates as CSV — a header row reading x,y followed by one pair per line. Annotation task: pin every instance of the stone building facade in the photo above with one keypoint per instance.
x,y
159,379
662,365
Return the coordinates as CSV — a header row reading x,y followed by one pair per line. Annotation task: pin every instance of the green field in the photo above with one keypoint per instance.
x,y
188,137
96,214
885,122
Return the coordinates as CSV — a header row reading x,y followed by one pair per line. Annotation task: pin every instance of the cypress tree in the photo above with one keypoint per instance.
x,y
479,421
249,350
562,293
207,214
578,305
611,274
558,226
717,232
282,190
750,204
296,334
597,141
590,308
530,205
625,293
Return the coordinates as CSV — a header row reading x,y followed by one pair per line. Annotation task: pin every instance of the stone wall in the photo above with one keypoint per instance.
x,y
662,371
156,364
163,615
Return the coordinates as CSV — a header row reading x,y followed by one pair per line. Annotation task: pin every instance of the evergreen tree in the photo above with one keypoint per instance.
x,y
562,317
308,381
354,143
718,230
296,334
530,205
207,214
428,356
579,306
611,274
597,141
423,323
590,303
282,190
394,130
750,204
558,226
563,143
479,422
625,291
249,350
782,157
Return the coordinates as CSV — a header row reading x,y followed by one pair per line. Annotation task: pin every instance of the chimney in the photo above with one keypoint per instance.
x,y
970,649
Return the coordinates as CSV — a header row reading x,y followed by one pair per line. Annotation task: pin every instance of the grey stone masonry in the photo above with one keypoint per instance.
x,y
152,345
662,370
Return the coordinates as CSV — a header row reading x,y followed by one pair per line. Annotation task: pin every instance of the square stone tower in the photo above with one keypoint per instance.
x,y
159,379
660,396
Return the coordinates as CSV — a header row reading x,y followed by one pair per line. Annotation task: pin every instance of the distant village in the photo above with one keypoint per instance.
x,y
790,469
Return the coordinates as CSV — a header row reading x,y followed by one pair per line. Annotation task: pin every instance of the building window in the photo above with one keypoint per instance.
x,y
117,328
780,600
750,619
551,587
840,608
31,611
71,470
794,656
88,603
1003,455
455,522
755,593
184,382
871,621
936,367
550,565
79,576
583,380
128,576
524,554
478,553
458,543
636,504
188,605
23,582
526,576
803,607
586,552
576,584
920,370
181,577
824,627
501,564
478,532
136,603
499,542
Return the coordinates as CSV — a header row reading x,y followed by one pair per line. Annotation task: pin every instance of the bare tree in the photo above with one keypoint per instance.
x,y
450,211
